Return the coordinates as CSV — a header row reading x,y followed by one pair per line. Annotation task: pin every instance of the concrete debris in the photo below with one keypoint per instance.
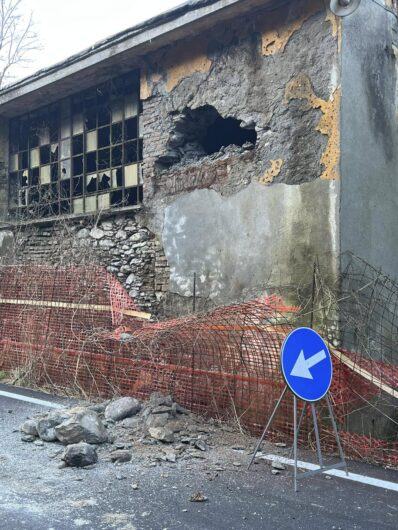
x,y
80,455
120,455
201,445
29,427
275,471
278,465
157,431
27,437
83,426
122,408
161,434
198,497
46,425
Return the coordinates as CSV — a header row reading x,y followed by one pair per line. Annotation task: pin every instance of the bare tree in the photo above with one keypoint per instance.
x,y
17,38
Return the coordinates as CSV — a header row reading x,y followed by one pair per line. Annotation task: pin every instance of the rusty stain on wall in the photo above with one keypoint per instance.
x,y
275,40
271,172
301,88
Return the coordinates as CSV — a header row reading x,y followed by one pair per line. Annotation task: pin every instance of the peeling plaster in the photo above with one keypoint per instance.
x,y
301,88
275,40
272,172
185,61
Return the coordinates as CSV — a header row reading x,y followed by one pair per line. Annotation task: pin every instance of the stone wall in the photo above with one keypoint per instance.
x,y
122,244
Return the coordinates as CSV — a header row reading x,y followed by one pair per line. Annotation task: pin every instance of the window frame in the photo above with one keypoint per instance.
x,y
59,139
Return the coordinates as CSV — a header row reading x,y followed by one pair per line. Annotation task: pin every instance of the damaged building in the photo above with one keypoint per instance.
x,y
234,140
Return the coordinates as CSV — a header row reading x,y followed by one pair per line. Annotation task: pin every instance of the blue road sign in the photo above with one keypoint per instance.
x,y
306,364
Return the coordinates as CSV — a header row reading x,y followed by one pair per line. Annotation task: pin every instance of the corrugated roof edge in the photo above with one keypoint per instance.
x,y
167,16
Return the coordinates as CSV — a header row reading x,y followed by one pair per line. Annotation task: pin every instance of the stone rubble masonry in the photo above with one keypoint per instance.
x,y
128,250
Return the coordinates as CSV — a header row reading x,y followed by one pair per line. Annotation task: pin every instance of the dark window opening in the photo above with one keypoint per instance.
x,y
202,132
63,155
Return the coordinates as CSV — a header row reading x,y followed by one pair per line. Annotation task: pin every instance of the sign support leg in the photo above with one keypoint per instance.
x,y
295,441
267,427
336,433
318,443
299,426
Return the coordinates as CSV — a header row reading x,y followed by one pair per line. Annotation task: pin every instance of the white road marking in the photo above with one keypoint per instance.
x,y
31,400
363,479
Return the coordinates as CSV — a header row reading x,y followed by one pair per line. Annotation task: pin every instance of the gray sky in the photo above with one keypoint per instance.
x,y
68,26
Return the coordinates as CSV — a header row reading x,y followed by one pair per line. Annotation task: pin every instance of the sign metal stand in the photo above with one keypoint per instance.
x,y
296,368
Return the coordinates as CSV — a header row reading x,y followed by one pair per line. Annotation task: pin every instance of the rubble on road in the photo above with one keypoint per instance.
x,y
80,455
125,429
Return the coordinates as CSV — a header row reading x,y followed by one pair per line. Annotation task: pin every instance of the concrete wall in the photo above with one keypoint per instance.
x,y
369,129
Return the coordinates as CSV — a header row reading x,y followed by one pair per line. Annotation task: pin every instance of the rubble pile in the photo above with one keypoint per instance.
x,y
123,429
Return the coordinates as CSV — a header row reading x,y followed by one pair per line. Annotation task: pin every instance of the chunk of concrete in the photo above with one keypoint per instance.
x,y
80,455
162,434
46,425
120,455
29,427
84,426
122,408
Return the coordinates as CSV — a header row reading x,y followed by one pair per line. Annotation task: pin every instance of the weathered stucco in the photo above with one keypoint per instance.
x,y
245,244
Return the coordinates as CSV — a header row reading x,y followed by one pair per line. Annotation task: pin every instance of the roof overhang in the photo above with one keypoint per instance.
x,y
121,52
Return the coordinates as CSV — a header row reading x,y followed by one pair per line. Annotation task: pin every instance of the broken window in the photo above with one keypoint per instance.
x,y
79,155
202,132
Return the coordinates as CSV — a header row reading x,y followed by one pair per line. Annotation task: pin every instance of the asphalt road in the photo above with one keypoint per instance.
x,y
35,494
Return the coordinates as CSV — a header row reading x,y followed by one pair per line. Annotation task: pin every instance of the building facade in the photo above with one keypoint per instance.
x,y
238,141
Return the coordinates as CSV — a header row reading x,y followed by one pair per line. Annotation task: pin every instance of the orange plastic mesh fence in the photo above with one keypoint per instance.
x,y
65,326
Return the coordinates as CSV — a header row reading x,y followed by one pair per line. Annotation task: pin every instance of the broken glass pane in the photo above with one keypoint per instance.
x,y
77,144
117,178
91,183
54,153
23,160
77,165
65,169
34,176
104,159
45,154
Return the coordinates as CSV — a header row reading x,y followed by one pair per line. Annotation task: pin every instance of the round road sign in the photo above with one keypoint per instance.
x,y
306,364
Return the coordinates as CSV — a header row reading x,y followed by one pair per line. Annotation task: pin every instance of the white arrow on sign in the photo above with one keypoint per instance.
x,y
302,366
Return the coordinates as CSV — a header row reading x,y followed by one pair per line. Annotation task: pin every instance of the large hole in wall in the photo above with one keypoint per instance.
x,y
203,132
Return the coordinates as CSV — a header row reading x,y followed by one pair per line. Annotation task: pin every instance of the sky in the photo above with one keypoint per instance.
x,y
66,27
